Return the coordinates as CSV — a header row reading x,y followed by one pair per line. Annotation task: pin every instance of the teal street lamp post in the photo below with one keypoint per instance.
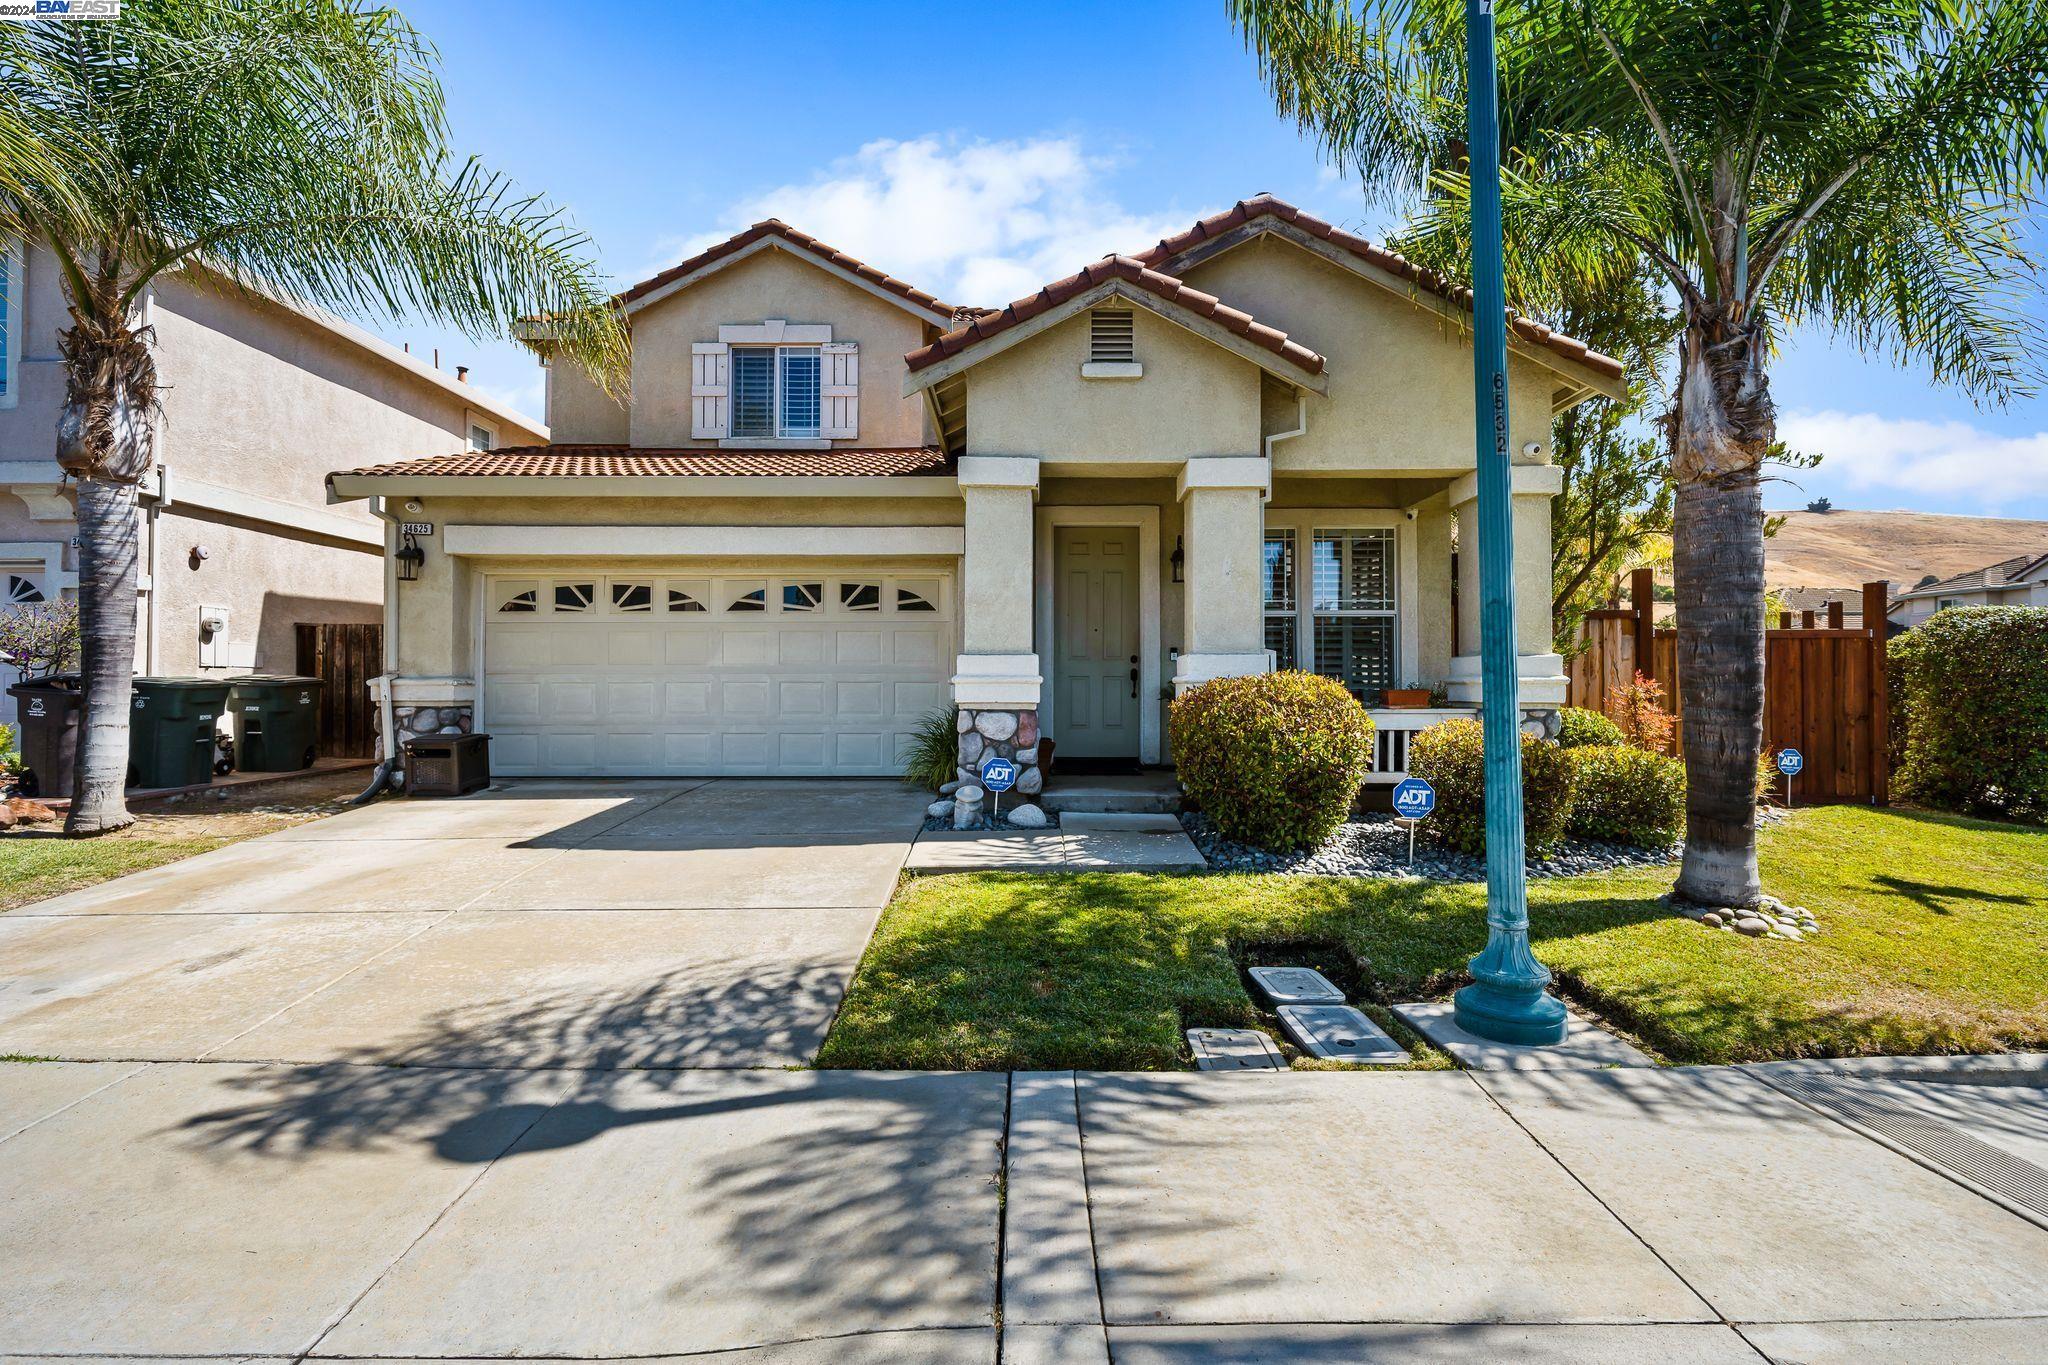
x,y
1506,1001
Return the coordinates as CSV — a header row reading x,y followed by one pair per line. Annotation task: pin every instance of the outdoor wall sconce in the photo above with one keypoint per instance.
x,y
410,557
1179,560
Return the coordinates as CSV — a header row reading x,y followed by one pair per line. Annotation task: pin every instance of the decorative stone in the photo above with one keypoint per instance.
x,y
1754,928
1027,732
971,745
1533,729
1031,781
965,722
949,788
1787,931
1028,816
1026,757
1712,919
969,795
940,808
997,725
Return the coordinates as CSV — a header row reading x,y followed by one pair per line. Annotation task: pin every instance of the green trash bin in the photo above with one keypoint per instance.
x,y
171,729
49,710
277,722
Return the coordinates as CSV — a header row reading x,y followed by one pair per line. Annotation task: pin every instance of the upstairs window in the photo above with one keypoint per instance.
x,y
481,437
776,392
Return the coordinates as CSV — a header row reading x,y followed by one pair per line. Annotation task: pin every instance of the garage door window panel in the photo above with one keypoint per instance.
x,y
630,597
917,595
688,595
575,598
517,596
801,597
860,597
751,596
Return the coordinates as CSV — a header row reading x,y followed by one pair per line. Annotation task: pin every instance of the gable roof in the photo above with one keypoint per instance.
x,y
2004,574
775,232
1114,271
1168,254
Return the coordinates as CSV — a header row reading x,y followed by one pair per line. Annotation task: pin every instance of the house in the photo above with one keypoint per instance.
x,y
2021,581
260,400
836,502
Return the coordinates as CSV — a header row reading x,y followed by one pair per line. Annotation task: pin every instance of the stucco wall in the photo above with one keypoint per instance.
x,y
1195,399
579,412
772,284
1400,377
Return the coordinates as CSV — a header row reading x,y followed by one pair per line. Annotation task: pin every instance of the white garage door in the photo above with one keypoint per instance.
x,y
652,674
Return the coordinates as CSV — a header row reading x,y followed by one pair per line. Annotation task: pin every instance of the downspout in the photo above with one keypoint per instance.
x,y
387,712
1300,426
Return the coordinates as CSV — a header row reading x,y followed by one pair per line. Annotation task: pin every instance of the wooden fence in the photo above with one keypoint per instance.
x,y
1824,686
346,657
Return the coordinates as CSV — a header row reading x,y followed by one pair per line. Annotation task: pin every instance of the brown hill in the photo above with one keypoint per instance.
x,y
1843,549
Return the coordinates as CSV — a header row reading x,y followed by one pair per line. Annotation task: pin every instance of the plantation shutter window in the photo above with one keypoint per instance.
x,y
1278,576
798,380
839,363
753,391
1351,592
709,390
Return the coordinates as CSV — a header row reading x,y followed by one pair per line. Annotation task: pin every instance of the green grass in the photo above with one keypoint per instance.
x,y
1935,939
32,869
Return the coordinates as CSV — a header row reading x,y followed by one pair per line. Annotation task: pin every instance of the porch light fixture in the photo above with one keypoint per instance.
x,y
410,557
1179,560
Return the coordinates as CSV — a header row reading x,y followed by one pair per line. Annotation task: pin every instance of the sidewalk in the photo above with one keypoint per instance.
x,y
217,1210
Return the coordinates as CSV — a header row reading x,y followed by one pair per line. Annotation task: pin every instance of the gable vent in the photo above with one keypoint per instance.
x,y
1112,337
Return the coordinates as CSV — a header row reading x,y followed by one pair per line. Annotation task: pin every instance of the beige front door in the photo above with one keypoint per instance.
x,y
1095,668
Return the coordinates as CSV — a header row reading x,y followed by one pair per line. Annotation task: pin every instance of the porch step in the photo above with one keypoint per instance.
x,y
1145,794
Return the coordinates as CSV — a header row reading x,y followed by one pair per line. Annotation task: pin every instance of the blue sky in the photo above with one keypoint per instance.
x,y
977,151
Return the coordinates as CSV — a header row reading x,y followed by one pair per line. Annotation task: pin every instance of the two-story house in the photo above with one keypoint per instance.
x,y
835,502
260,400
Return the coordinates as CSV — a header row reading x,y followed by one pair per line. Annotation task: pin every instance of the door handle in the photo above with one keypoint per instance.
x,y
1134,677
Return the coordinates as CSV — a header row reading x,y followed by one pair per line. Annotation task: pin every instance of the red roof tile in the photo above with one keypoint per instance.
x,y
1266,206
587,461
775,227
1135,272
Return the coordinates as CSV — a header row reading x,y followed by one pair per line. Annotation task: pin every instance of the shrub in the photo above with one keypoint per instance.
x,y
1976,686
40,637
1624,795
1579,727
1638,710
1452,758
1275,759
931,756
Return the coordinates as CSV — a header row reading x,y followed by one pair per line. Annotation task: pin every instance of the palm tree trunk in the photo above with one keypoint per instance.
x,y
107,561
1723,427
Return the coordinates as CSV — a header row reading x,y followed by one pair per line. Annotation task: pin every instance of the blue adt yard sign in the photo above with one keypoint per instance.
x,y
998,774
1414,798
1790,761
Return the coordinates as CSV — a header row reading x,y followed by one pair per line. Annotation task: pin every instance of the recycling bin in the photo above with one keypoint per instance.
x,y
171,729
50,710
277,722
447,765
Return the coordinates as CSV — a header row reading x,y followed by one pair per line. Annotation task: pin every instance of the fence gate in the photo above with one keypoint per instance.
x,y
1824,686
346,657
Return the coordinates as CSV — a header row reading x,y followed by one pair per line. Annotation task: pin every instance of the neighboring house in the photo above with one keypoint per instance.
x,y
835,502
259,401
2021,581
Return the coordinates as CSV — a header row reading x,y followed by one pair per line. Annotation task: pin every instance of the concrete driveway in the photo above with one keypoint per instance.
x,y
586,924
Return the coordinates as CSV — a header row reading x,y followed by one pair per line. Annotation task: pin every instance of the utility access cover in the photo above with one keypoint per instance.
x,y
1341,1034
1234,1049
1296,986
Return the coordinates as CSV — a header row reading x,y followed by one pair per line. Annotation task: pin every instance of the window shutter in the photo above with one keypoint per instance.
x,y
709,385
840,372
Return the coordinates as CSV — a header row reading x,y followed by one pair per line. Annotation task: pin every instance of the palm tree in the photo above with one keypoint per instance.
x,y
295,148
1858,165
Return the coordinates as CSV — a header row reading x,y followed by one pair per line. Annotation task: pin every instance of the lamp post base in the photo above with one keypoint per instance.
x,y
1530,1017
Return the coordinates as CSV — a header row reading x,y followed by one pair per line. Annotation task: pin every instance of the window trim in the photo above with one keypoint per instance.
x,y
1304,522
15,297
777,353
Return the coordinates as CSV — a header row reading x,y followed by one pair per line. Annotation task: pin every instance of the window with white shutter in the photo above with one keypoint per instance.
x,y
710,418
841,390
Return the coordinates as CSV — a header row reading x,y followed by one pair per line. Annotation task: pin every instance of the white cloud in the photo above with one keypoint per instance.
x,y
529,399
973,222
1946,460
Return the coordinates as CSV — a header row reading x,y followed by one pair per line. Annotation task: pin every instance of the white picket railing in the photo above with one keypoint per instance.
x,y
1392,729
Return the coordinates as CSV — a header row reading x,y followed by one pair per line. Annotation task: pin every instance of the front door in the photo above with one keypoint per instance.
x,y
1095,665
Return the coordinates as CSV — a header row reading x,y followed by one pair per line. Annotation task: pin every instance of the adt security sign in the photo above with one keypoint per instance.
x,y
998,775
1414,798
1790,761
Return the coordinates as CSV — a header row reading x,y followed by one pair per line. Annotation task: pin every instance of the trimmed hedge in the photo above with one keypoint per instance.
x,y
1975,683
1625,795
1579,727
1275,759
1451,757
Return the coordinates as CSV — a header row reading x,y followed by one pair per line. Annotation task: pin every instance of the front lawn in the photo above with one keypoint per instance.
x,y
1935,939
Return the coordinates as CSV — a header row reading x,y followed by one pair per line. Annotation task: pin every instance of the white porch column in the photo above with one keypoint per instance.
x,y
1223,501
998,666
1542,676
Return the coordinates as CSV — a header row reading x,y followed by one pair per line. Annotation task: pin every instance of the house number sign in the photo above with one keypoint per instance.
x,y
417,528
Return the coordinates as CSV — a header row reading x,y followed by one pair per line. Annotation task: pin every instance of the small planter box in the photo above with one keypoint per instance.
x,y
1406,698
447,765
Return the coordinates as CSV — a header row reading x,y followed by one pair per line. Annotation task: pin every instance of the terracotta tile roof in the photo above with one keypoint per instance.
x,y
584,461
1125,268
775,227
1265,205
